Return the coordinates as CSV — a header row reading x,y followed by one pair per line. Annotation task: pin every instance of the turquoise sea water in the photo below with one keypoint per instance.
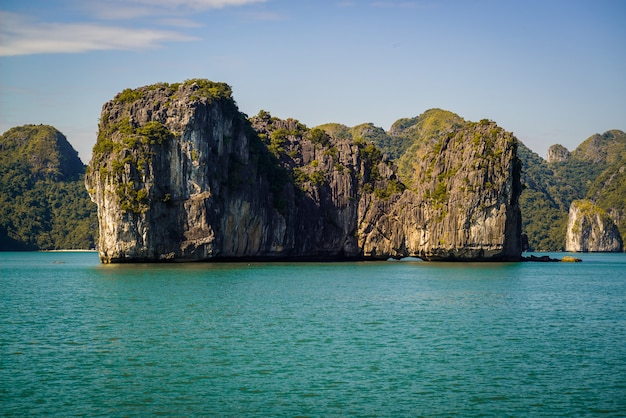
x,y
303,339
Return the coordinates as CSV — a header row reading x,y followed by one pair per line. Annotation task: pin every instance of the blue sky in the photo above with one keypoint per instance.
x,y
551,71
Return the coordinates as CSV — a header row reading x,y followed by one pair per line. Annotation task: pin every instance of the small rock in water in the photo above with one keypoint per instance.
x,y
570,259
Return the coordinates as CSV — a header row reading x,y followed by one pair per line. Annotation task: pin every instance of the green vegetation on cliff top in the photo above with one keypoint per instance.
x,y
43,201
124,149
286,140
595,170
201,88
419,132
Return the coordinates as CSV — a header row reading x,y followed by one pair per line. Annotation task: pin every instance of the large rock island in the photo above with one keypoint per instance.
x,y
179,174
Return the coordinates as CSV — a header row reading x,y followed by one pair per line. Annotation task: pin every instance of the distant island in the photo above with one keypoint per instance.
x,y
179,173
43,201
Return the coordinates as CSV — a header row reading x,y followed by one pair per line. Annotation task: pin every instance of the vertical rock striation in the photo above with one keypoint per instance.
x,y
464,205
178,173
591,229
558,153
175,178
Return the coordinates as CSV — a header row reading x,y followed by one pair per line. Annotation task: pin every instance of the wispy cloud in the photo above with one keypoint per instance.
x,y
130,9
20,35
24,35
178,22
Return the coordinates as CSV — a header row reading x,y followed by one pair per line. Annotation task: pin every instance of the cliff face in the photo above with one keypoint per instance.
x,y
179,173
590,229
175,177
464,204
558,153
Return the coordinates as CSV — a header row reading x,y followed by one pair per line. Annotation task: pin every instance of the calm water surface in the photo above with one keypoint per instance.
x,y
335,339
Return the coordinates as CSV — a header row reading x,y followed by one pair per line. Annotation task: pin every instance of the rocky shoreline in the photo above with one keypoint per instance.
x,y
548,259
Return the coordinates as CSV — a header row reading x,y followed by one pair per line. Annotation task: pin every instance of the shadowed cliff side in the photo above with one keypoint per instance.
x,y
178,173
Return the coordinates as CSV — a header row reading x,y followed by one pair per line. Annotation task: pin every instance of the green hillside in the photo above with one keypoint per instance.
x,y
44,204
609,188
595,170
43,201
418,131
404,139
544,209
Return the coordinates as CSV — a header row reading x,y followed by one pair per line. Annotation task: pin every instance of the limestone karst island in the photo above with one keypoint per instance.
x,y
178,173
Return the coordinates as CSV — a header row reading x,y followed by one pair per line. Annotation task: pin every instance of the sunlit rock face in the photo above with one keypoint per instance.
x,y
179,174
558,153
591,229
464,204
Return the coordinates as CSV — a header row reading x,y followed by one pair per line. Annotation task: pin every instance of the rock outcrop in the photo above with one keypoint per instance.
x,y
595,171
558,153
591,229
178,173
464,205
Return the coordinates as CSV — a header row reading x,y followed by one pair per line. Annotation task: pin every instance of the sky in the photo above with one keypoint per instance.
x,y
550,71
